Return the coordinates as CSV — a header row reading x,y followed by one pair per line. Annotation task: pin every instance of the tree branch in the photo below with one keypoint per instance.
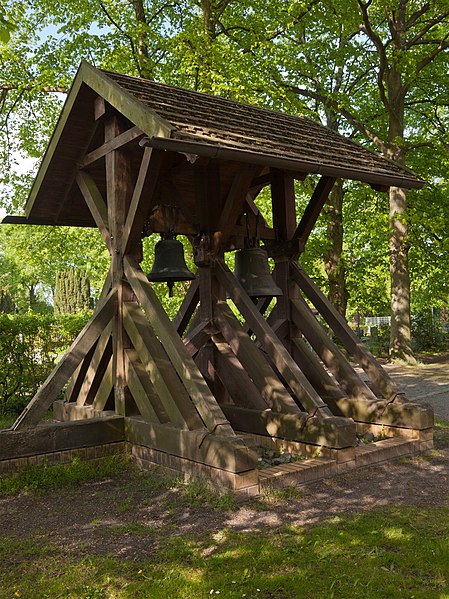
x,y
351,118
438,19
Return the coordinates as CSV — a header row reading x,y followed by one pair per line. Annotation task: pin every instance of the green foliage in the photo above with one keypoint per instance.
x,y
29,347
44,477
428,334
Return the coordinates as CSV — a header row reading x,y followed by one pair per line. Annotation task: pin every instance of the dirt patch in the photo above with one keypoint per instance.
x,y
133,513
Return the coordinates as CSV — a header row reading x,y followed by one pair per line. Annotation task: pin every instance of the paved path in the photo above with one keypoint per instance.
x,y
425,382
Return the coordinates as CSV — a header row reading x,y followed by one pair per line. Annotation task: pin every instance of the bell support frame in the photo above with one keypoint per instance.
x,y
198,392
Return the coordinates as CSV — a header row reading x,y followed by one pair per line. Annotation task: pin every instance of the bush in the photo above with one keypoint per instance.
x,y
427,332
29,348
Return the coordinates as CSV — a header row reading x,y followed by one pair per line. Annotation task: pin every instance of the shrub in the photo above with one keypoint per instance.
x,y
29,348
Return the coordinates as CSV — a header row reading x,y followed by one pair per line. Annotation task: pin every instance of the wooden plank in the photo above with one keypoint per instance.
x,y
233,454
142,199
49,437
187,308
96,205
236,379
329,353
49,390
314,370
196,338
313,209
76,380
335,432
285,364
258,369
105,387
283,202
150,406
344,333
166,383
186,368
119,191
122,140
97,368
233,206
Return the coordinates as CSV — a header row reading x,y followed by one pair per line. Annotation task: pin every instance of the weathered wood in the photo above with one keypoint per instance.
x,y
236,380
76,380
187,308
49,390
233,206
283,202
334,432
285,364
227,453
314,370
105,387
148,403
122,140
61,436
167,385
142,198
341,329
96,205
261,373
96,368
313,209
196,338
119,191
329,353
186,368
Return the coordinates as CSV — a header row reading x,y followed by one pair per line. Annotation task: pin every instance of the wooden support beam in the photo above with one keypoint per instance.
x,y
258,369
313,209
166,384
233,206
233,454
96,205
122,140
105,387
142,199
196,338
236,380
285,364
49,390
334,432
338,324
314,370
329,353
148,402
187,308
186,368
77,379
283,202
97,368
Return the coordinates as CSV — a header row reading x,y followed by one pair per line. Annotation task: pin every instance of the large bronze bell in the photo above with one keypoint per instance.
x,y
253,272
169,264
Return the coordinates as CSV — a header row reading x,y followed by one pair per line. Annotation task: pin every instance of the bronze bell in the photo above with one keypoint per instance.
x,y
253,272
169,264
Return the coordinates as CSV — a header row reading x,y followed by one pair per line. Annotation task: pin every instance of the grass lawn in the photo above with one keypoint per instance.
x,y
393,552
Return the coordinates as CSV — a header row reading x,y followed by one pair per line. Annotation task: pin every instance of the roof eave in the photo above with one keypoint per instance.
x,y
221,152
148,121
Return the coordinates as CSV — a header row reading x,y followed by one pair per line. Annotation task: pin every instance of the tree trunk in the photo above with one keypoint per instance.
x,y
333,263
400,337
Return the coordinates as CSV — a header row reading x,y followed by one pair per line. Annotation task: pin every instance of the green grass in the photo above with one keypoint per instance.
x,y
45,476
389,553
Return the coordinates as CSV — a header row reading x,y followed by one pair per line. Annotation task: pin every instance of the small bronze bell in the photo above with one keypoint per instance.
x,y
169,264
253,272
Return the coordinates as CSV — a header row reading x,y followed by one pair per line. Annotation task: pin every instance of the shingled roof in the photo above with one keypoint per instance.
x,y
182,121
217,121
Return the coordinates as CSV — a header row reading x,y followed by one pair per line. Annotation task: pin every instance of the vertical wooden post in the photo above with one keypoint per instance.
x,y
119,192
